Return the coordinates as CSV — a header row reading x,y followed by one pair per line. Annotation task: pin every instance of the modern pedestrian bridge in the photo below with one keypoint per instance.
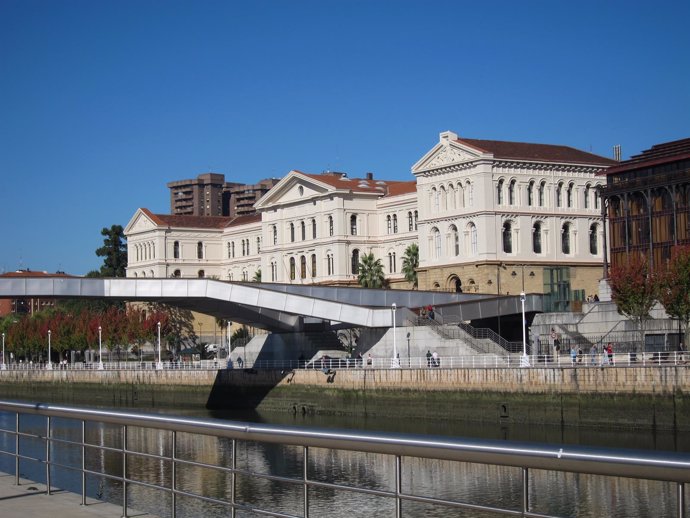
x,y
276,307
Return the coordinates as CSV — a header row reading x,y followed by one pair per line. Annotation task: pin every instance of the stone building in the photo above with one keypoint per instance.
x,y
505,217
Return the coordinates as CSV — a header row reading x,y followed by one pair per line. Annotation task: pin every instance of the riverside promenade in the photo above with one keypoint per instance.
x,y
30,499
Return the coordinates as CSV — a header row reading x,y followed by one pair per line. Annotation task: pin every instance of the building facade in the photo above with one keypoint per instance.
x,y
505,217
648,203
210,195
488,216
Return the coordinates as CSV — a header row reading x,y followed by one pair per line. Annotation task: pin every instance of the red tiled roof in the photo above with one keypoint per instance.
x,y
30,273
363,185
202,222
656,155
540,152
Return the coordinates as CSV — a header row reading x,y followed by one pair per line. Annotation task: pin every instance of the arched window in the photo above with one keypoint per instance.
x,y
258,245
176,250
415,220
435,199
452,197
473,243
499,192
536,238
455,238
243,249
409,221
353,224
511,193
355,261
303,267
436,242
274,271
508,237
389,224
329,263
229,251
588,189
559,194
303,227
245,275
201,274
330,225
469,189
596,198
232,249
199,250
542,191
530,193
313,228
292,232
593,239
275,235
569,195
565,238
395,223
292,268
313,265
444,198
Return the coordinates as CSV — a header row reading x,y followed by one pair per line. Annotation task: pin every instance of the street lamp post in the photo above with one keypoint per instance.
x,y
100,350
49,365
3,352
524,361
159,365
395,362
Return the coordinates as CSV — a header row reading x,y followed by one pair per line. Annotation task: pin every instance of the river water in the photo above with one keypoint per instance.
x,y
556,494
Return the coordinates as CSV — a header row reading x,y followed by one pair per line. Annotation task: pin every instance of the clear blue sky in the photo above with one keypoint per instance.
x,y
104,102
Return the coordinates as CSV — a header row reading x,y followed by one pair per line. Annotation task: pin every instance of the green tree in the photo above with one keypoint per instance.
x,y
114,250
410,263
257,276
674,287
371,272
634,290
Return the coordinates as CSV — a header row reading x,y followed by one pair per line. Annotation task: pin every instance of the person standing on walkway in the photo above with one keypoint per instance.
x,y
428,358
573,354
593,354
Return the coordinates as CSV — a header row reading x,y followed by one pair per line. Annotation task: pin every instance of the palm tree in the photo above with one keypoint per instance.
x,y
410,264
257,276
371,272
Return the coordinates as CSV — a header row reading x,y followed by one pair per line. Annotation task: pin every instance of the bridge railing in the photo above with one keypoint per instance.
x,y
648,465
474,361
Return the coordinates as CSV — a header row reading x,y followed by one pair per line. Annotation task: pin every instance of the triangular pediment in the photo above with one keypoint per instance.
x,y
295,187
446,153
140,222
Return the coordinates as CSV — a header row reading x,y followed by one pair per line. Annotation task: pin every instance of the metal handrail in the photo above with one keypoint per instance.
x,y
471,361
649,465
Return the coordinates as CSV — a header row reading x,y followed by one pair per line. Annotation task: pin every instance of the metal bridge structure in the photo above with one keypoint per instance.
x,y
276,307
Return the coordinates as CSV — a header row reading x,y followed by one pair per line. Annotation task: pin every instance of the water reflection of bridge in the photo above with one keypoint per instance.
x,y
277,307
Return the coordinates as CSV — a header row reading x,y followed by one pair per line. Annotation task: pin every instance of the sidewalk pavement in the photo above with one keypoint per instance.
x,y
29,499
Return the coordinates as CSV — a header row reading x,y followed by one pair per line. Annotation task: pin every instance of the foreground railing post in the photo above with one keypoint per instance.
x,y
525,490
16,450
398,486
681,500
305,478
83,462
233,479
173,481
124,471
48,455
